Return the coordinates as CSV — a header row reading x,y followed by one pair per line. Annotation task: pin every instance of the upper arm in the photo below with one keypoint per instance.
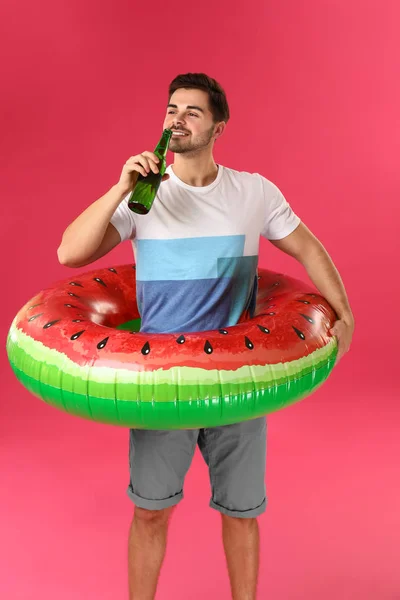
x,y
279,219
111,239
299,244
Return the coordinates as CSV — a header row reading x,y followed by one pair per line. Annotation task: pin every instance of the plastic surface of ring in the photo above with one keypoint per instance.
x,y
77,346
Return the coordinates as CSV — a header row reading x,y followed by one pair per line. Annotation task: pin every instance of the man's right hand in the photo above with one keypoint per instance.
x,y
140,164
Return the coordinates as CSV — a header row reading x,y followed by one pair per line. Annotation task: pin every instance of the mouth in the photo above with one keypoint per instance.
x,y
179,134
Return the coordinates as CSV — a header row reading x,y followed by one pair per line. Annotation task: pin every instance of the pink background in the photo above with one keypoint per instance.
x,y
314,91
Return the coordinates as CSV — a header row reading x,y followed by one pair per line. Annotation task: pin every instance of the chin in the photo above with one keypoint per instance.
x,y
178,149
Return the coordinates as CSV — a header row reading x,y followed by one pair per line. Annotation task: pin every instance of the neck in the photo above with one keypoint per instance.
x,y
197,171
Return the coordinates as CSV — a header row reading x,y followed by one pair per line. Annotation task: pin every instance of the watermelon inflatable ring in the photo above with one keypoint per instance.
x,y
77,346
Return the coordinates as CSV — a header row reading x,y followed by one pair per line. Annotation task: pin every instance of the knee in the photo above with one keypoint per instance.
x,y
152,517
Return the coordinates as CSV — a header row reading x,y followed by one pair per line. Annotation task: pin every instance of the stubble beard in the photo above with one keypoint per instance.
x,y
192,147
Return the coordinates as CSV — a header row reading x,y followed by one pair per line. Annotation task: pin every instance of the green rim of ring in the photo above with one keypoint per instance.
x,y
181,414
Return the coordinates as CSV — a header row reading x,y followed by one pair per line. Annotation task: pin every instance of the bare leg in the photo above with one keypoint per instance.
x,y
146,551
241,543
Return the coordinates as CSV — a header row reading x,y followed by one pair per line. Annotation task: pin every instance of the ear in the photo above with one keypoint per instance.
x,y
219,130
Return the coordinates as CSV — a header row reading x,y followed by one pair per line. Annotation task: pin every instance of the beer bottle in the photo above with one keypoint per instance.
x,y
142,197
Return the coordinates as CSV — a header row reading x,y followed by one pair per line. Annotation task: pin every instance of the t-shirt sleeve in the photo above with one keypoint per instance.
x,y
124,221
279,218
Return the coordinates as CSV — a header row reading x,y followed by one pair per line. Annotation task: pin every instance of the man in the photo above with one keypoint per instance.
x,y
196,254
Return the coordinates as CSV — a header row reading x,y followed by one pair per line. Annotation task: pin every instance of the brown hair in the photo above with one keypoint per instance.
x,y
200,81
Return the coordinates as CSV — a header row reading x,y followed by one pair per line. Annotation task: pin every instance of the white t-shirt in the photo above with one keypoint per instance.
x,y
196,250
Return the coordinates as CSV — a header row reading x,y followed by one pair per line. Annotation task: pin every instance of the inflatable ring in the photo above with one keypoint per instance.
x,y
77,346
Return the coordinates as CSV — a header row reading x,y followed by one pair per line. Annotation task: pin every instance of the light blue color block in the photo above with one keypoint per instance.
x,y
185,258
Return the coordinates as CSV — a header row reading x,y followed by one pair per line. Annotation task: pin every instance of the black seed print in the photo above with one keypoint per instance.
x,y
258,277
70,306
75,283
133,332
248,343
270,314
113,271
133,266
208,349
181,339
303,301
276,284
223,331
99,281
76,335
263,329
307,318
76,320
34,317
299,333
50,324
73,295
101,344
146,349
34,306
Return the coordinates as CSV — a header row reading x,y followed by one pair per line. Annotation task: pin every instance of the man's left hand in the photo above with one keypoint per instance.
x,y
343,330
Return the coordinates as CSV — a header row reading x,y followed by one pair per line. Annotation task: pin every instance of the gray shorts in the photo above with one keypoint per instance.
x,y
235,455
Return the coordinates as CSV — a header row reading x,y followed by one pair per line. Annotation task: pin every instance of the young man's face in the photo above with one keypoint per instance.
x,y
192,124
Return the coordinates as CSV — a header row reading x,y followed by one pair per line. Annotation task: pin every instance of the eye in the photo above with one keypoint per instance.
x,y
170,112
193,115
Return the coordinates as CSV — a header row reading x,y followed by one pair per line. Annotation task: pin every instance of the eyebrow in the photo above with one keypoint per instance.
x,y
189,107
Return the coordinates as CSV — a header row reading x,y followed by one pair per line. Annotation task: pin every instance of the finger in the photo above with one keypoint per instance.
x,y
151,155
153,166
134,160
144,162
141,160
335,330
135,167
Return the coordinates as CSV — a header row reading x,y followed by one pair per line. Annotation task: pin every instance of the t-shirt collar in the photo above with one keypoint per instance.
x,y
193,188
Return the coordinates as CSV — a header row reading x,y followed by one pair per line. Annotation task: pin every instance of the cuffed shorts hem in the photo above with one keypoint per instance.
x,y
154,504
241,514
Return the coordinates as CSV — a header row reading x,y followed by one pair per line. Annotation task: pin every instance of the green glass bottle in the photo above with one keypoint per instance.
x,y
142,197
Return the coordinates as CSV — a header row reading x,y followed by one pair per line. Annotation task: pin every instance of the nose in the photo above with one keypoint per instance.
x,y
178,119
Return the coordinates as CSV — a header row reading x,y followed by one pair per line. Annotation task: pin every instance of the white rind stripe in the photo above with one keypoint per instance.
x,y
184,375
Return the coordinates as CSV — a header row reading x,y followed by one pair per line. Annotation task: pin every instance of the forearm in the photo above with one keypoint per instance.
x,y
84,235
323,273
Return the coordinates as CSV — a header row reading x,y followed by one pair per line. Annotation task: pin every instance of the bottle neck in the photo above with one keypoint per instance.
x,y
162,146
